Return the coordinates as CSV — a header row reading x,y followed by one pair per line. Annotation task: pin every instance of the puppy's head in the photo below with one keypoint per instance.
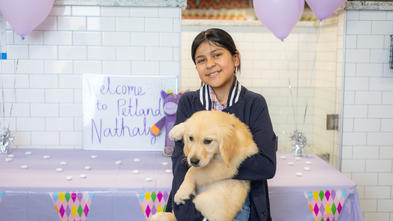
x,y
206,135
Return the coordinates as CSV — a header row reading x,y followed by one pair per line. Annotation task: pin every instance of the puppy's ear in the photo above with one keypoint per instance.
x,y
186,149
229,144
177,132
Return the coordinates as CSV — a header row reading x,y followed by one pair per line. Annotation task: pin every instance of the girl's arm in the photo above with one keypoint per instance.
x,y
260,166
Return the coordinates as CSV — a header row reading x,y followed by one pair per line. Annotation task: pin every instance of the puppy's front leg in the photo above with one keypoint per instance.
x,y
163,216
188,187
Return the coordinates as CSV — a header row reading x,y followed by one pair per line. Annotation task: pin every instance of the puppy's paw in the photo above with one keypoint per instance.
x,y
184,193
181,198
163,216
177,132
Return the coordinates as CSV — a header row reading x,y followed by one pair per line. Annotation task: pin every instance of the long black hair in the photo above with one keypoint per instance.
x,y
217,36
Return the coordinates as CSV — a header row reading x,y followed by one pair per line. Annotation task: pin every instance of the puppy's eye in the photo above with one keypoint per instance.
x,y
207,141
191,138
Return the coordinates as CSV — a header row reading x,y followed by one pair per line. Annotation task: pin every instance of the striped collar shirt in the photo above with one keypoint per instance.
x,y
209,99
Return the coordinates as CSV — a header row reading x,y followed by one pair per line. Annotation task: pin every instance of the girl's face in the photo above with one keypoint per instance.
x,y
216,65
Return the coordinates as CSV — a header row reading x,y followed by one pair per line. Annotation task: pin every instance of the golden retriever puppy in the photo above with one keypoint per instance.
x,y
215,144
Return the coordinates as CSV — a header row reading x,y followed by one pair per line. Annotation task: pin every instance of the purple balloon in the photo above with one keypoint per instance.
x,y
324,8
25,15
279,16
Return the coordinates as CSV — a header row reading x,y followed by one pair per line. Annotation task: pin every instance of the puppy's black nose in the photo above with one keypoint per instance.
x,y
194,161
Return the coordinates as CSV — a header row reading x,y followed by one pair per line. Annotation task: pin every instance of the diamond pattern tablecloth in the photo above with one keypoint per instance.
x,y
326,205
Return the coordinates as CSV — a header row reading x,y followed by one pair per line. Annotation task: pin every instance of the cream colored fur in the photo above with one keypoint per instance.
x,y
215,144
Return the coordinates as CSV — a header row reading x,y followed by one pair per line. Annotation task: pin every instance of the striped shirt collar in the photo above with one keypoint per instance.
x,y
205,97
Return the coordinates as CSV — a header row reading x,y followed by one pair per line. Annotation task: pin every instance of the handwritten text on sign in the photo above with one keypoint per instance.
x,y
119,110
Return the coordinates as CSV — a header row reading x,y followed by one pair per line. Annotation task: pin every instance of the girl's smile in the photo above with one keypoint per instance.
x,y
213,74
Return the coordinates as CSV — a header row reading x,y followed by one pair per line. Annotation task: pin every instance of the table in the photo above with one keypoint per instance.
x,y
296,181
114,185
126,185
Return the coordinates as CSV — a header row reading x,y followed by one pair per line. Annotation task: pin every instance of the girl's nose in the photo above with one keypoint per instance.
x,y
210,63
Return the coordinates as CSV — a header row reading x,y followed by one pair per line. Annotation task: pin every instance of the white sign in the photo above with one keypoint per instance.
x,y
118,111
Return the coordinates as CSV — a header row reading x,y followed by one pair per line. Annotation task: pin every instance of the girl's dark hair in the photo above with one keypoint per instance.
x,y
217,36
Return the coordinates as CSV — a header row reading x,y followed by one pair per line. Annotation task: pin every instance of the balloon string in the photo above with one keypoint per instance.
x,y
312,73
2,47
14,91
292,104
289,84
2,99
297,77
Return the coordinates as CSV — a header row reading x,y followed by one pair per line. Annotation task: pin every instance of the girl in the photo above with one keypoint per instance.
x,y
217,60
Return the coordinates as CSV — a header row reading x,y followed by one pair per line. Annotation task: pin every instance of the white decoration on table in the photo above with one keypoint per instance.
x,y
63,163
308,162
8,159
135,171
164,163
148,179
5,136
68,178
87,167
283,157
298,158
59,169
168,171
28,152
83,176
299,174
118,162
11,155
137,160
24,166
299,140
307,168
93,156
46,157
290,163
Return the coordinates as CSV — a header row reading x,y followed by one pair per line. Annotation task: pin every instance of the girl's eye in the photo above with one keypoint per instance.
x,y
207,141
191,138
217,55
200,61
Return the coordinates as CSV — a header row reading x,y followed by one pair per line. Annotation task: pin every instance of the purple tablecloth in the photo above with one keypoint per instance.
x,y
297,176
111,180
121,185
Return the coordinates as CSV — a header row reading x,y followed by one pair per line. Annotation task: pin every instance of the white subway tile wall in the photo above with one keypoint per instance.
x,y
42,77
43,74
368,111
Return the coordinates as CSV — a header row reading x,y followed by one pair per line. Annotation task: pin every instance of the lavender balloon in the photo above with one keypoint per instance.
x,y
324,8
25,15
279,16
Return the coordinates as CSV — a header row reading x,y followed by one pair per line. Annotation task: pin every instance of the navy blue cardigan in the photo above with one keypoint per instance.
x,y
251,108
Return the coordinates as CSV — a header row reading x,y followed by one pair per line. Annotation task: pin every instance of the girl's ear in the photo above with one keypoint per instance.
x,y
236,59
